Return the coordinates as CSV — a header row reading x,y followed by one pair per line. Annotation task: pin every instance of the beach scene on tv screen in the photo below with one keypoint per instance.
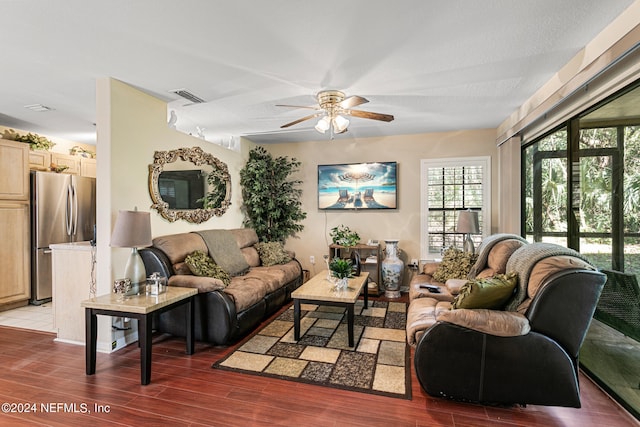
x,y
357,186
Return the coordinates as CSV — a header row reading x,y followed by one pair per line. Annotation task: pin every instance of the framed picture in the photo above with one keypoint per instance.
x,y
358,186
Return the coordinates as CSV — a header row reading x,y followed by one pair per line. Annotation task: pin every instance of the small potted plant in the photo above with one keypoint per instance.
x,y
341,269
342,235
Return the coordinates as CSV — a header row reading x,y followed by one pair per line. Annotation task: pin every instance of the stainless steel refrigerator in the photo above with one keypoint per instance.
x,y
63,209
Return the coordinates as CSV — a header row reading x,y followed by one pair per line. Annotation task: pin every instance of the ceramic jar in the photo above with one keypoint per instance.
x,y
392,269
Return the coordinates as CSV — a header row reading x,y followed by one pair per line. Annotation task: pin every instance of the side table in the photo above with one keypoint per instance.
x,y
140,307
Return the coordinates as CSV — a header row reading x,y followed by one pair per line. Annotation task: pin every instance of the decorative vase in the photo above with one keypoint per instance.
x,y
392,269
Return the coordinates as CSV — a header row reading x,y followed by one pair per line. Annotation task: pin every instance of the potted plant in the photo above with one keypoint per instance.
x,y
342,235
35,141
271,199
341,269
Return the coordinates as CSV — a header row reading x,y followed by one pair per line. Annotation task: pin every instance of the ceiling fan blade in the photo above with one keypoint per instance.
x,y
295,122
370,115
297,106
352,101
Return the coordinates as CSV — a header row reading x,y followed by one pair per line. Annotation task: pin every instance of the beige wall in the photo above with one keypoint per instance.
x,y
403,223
131,125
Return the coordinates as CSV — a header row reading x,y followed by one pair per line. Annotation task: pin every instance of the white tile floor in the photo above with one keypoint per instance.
x,y
37,317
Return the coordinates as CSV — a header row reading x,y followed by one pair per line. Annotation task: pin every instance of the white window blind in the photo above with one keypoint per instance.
x,y
447,187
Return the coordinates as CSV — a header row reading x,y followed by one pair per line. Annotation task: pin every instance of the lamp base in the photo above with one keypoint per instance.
x,y
468,244
135,272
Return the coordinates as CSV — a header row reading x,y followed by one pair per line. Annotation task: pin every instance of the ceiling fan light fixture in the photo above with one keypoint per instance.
x,y
340,124
332,106
323,124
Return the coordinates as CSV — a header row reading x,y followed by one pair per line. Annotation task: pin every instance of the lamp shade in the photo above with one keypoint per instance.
x,y
323,124
340,124
132,230
468,222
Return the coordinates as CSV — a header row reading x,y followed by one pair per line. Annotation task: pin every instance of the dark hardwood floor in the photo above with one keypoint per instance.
x,y
48,379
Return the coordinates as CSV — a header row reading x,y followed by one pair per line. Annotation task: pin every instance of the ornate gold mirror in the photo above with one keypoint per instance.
x,y
189,184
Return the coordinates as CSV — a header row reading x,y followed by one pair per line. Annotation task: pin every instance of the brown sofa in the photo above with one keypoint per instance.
x,y
526,352
223,314
425,305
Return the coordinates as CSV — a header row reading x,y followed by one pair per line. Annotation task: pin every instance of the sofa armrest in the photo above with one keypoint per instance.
x,y
156,261
454,285
201,283
492,322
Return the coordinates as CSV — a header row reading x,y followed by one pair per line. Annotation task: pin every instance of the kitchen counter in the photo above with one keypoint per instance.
x,y
73,272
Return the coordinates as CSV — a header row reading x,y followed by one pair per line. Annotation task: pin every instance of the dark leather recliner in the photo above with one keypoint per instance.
x,y
529,355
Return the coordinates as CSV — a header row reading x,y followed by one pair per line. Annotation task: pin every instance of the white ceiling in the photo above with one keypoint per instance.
x,y
435,65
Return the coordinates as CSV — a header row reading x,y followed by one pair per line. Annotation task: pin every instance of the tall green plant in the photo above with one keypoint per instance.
x,y
271,199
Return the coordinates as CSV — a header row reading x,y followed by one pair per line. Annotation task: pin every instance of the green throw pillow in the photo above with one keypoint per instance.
x,y
491,292
272,253
201,264
455,264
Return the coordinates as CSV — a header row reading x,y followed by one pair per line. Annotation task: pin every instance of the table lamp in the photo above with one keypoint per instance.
x,y
468,224
133,230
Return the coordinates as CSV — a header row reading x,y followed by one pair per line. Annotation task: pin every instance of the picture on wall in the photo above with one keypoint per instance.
x,y
358,186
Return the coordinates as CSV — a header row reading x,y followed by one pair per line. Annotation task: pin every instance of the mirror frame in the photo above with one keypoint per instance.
x,y
198,157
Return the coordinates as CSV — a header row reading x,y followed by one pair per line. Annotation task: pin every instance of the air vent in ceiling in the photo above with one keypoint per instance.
x,y
188,96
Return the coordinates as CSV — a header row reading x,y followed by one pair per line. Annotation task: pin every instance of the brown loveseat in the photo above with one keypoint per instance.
x,y
493,254
222,313
526,352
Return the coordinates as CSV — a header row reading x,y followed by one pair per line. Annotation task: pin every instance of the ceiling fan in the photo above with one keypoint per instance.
x,y
332,106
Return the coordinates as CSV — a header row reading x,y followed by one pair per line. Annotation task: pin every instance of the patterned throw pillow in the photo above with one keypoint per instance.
x,y
272,253
491,292
455,265
201,264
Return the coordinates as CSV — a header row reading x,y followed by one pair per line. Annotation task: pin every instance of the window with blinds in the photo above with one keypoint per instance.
x,y
448,187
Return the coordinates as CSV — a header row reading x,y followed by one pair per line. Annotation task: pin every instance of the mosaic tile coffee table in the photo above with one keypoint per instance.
x,y
318,290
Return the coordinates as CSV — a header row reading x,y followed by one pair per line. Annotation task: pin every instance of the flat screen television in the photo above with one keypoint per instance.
x,y
358,186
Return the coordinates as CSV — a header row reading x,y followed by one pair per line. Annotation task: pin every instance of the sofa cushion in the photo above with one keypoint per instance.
x,y
492,322
181,268
417,288
272,253
421,315
245,237
178,246
276,276
487,272
251,255
500,254
544,269
454,285
455,265
246,290
430,267
201,264
491,293
201,283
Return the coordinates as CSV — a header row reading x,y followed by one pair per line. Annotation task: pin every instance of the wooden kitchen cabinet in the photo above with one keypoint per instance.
x,y
14,170
15,283
39,160
73,162
88,167
15,261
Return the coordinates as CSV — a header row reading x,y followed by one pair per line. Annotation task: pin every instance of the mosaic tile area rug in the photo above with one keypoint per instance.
x,y
378,363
